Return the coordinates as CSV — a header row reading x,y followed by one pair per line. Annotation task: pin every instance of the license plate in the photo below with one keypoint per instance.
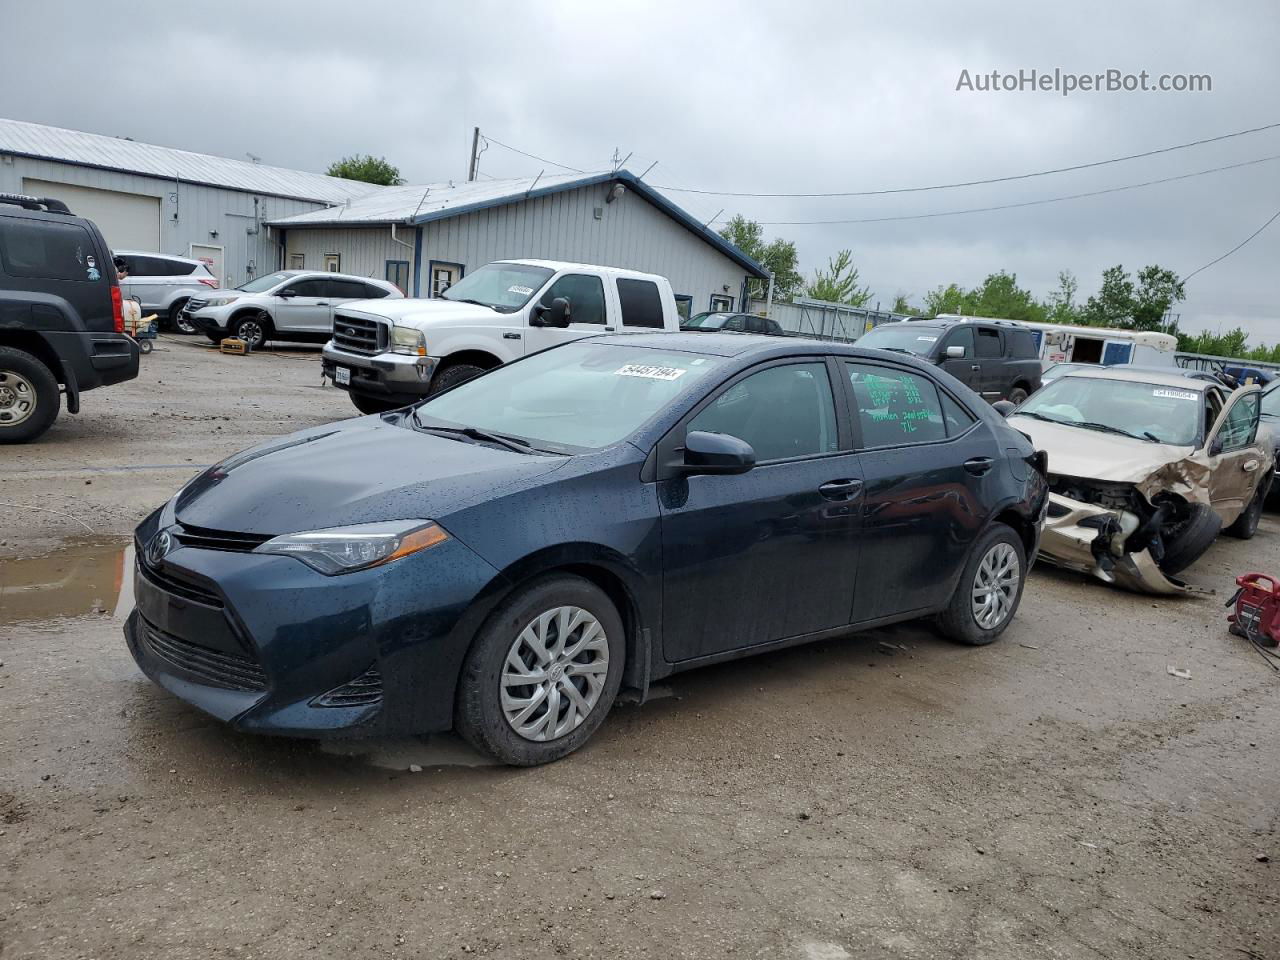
x,y
342,375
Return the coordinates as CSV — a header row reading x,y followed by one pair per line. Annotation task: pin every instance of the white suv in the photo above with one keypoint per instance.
x,y
287,305
164,284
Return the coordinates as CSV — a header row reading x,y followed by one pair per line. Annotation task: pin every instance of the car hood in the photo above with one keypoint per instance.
x,y
424,313
1077,452
220,292
359,471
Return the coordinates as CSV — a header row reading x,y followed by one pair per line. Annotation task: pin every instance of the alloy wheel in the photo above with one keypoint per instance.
x,y
554,673
250,331
183,324
17,398
995,586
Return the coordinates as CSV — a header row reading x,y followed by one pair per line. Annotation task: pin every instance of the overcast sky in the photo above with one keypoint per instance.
x,y
757,97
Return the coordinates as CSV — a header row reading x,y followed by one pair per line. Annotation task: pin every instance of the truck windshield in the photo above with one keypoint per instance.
x,y
1154,412
506,287
260,284
905,337
572,398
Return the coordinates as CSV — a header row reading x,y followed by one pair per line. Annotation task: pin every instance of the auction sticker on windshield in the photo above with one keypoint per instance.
x,y
651,372
522,291
1176,394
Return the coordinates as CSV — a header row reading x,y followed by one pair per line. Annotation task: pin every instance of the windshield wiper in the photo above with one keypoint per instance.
x,y
478,303
474,433
1107,428
1040,416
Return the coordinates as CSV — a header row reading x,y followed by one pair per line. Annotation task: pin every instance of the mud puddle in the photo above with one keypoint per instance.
x,y
88,576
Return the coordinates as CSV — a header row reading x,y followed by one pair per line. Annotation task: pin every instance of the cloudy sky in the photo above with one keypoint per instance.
x,y
747,97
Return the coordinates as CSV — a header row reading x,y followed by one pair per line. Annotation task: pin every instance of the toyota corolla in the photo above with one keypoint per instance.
x,y
504,557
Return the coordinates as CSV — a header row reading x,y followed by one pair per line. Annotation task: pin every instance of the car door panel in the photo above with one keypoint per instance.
x,y
989,354
590,311
306,311
1235,472
966,369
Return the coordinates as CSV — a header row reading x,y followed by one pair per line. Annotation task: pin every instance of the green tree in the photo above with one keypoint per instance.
x,y
778,256
1000,296
839,282
1061,305
1158,290
948,299
902,304
1113,304
369,169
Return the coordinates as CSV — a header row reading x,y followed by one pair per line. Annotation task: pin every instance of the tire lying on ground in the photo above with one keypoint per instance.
x,y
28,396
1185,543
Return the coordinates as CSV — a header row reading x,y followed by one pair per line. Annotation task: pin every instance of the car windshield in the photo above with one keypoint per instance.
x,y
572,398
1154,412
1271,402
706,321
262,284
905,337
506,287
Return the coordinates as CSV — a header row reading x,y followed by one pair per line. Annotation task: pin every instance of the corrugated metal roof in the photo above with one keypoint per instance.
x,y
422,203
130,156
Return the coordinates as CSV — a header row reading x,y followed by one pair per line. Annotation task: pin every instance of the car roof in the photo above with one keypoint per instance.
x,y
559,265
155,253
1140,376
324,275
753,345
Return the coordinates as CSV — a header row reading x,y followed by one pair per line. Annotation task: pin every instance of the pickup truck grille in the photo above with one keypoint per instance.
x,y
358,335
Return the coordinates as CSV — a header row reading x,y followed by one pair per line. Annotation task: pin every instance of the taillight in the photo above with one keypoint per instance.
x,y
210,282
117,308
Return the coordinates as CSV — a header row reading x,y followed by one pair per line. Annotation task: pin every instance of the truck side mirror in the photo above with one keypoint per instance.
x,y
955,353
556,315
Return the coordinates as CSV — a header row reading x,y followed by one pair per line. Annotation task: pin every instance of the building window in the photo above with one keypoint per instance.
x,y
684,306
443,275
333,262
721,303
297,261
398,273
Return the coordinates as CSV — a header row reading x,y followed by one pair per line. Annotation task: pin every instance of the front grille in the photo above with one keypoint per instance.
x,y
207,539
188,590
194,304
358,335
214,667
362,691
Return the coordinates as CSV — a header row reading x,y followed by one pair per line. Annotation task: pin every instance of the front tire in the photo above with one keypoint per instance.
x,y
28,396
542,673
253,329
1017,395
990,589
373,404
1190,540
454,375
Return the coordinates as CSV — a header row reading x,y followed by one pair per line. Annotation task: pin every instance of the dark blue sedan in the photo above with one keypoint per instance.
x,y
505,556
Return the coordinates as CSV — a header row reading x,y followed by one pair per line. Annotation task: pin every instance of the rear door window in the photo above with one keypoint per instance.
x,y
988,342
43,250
345,289
895,407
641,303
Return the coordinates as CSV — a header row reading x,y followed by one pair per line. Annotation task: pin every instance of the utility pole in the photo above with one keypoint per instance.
x,y
475,155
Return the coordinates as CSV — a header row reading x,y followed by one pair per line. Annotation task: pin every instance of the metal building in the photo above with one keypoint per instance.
x,y
147,197
427,236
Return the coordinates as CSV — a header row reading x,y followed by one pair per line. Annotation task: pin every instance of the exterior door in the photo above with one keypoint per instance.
x,y
1235,461
771,553
588,313
306,310
211,257
926,465
966,369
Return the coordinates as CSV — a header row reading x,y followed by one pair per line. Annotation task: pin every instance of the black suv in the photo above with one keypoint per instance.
x,y
61,315
996,359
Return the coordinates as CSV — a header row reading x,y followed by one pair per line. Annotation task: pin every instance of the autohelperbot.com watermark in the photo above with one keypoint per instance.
x,y
1066,82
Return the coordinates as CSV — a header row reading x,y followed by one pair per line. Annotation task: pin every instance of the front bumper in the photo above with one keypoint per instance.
x,y
210,319
391,375
268,645
1069,541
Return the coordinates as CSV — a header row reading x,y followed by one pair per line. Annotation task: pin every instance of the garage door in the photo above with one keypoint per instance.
x,y
129,221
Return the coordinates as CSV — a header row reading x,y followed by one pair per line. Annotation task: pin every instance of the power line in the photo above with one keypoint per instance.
x,y
531,156
1012,206
975,183
1273,219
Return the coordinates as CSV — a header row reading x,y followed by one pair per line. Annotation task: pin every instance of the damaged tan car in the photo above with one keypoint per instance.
x,y
1145,469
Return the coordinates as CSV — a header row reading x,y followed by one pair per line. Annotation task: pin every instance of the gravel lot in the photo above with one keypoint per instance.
x,y
1058,794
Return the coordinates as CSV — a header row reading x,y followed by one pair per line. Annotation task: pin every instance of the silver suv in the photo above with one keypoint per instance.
x,y
164,284
286,305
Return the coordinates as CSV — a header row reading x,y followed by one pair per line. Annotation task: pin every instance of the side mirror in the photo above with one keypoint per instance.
x,y
286,294
556,315
955,353
1002,407
717,453
1215,447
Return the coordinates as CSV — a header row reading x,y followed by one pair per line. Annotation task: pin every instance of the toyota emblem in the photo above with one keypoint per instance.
x,y
159,547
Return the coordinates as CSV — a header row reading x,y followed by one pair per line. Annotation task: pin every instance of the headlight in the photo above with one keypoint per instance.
x,y
409,341
344,549
220,301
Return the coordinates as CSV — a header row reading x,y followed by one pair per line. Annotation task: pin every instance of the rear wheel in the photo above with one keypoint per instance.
x,y
989,590
1246,525
28,396
454,375
373,404
542,673
178,318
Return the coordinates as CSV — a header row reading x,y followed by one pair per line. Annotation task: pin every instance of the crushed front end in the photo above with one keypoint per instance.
x,y
1113,532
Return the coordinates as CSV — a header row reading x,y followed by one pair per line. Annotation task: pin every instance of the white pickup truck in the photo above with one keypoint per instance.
x,y
387,353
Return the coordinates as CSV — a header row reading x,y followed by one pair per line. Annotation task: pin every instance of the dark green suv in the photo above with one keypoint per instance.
x,y
61,315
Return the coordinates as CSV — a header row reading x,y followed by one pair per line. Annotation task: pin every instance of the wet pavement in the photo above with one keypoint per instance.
x,y
1059,794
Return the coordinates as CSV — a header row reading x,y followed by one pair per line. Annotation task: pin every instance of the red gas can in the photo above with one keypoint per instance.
x,y
1257,614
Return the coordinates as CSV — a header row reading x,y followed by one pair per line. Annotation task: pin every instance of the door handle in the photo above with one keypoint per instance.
x,y
841,489
1249,466
322,304
978,465
975,366
511,336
